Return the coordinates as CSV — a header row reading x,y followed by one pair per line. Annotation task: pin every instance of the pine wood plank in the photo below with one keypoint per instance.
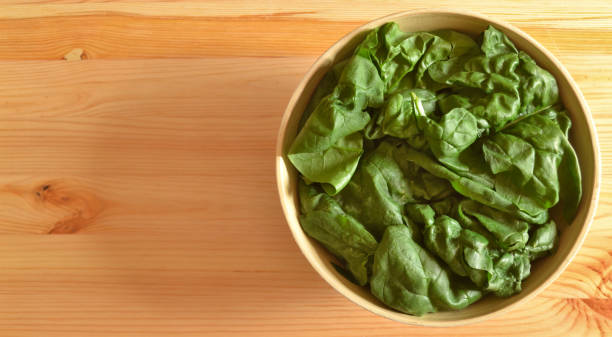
x,y
155,153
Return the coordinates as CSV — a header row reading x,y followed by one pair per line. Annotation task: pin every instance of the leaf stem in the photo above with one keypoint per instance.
x,y
524,117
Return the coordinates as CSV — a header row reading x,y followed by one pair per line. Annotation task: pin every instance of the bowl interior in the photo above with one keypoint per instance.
x,y
582,136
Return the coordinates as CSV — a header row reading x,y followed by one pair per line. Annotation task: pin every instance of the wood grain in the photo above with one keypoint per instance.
x,y
155,153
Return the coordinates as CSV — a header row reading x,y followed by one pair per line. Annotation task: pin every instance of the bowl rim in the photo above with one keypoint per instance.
x,y
343,289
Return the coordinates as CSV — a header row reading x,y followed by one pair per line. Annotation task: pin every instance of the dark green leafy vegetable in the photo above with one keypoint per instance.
x,y
542,240
504,152
552,149
328,147
325,87
380,188
408,278
470,188
448,150
398,119
422,214
471,254
378,191
509,233
456,131
344,236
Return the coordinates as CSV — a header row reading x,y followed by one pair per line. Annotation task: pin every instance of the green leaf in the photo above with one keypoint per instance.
x,y
421,214
449,102
570,182
488,86
510,270
461,44
455,132
397,53
443,238
554,162
472,189
494,42
447,205
469,253
408,278
510,233
327,148
340,233
324,88
504,152
542,240
538,87
378,191
334,165
398,118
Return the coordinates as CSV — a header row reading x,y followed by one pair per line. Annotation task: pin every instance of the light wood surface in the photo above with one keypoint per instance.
x,y
146,131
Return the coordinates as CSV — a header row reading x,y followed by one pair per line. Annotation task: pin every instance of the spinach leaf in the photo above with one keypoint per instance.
x,y
447,205
378,191
542,240
469,253
398,118
340,233
461,44
570,182
421,214
543,188
488,86
504,152
538,87
443,238
334,166
328,147
470,188
494,42
510,233
397,53
408,278
447,139
325,87
490,77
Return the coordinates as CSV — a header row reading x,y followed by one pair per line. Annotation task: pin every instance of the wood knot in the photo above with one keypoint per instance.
x,y
76,54
75,206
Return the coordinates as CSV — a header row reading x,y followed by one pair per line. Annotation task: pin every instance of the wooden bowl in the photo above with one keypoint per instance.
x,y
582,136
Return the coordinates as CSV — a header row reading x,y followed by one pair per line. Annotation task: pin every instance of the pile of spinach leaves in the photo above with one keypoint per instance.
x,y
429,162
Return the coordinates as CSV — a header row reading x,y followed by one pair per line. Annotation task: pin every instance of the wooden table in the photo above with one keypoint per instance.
x,y
147,132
